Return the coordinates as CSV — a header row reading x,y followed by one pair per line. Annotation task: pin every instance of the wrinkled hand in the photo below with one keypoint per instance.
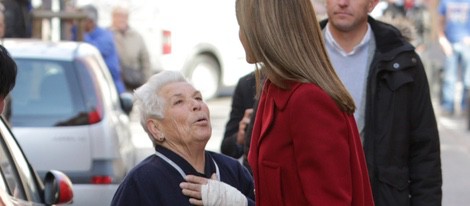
x,y
211,192
192,188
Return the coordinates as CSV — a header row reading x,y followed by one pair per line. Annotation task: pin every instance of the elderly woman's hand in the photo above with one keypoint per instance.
x,y
192,188
211,192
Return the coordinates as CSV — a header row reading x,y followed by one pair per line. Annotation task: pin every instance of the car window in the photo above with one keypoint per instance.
x,y
15,169
45,94
89,89
103,79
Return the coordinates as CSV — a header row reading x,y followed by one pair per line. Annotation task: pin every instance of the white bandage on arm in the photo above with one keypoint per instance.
x,y
216,193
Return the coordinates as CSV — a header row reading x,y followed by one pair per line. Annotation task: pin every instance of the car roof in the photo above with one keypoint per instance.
x,y
56,50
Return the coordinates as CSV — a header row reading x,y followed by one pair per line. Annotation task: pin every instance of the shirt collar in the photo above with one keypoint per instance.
x,y
209,167
329,39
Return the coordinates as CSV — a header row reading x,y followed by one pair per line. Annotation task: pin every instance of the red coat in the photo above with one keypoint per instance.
x,y
306,151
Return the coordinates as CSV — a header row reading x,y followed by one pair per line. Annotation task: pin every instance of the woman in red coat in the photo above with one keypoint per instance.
x,y
305,147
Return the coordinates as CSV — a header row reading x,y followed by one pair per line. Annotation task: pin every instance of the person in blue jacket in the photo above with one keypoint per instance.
x,y
181,172
103,40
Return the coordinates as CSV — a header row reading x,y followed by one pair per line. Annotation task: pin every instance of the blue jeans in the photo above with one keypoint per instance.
x,y
459,59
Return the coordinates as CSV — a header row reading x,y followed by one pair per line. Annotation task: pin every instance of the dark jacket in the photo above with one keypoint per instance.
x,y
18,18
401,141
243,98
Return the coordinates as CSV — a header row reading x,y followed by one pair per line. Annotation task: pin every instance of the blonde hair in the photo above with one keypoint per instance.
x,y
285,37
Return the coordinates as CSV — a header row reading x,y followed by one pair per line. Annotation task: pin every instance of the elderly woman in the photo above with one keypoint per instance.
x,y
177,121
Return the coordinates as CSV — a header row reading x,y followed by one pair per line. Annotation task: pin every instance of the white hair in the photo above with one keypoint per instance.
x,y
147,98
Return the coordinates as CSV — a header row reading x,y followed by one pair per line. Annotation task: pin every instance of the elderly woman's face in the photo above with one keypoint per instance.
x,y
186,115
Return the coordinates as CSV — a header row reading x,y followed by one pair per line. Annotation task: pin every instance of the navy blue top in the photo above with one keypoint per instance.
x,y
155,182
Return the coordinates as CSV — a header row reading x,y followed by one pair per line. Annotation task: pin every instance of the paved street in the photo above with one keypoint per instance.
x,y
455,149
455,156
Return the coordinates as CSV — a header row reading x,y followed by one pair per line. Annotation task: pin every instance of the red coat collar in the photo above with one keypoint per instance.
x,y
281,96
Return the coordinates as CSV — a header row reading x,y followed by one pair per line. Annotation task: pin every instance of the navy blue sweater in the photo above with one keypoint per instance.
x,y
155,182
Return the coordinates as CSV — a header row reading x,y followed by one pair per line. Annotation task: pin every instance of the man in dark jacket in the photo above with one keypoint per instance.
x,y
394,113
18,18
243,100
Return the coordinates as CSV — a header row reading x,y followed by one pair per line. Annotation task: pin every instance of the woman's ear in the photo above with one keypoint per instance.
x,y
153,127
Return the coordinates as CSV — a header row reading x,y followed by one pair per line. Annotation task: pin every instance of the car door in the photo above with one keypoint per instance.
x,y
17,179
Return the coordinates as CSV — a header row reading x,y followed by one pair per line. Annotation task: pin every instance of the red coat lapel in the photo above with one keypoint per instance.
x,y
273,99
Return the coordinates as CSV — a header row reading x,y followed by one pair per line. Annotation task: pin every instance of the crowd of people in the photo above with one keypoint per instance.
x,y
337,111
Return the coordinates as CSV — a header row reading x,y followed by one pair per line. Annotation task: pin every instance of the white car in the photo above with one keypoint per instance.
x,y
68,116
20,184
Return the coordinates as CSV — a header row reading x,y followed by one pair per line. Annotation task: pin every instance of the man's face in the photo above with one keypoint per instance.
x,y
88,25
348,15
120,20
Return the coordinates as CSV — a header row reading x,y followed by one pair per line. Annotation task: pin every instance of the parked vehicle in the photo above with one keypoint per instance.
x,y
68,116
19,182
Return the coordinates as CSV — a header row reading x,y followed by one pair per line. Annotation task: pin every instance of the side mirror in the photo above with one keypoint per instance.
x,y
127,103
57,188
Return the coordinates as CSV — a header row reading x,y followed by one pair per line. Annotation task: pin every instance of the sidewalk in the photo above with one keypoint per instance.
x,y
455,157
452,126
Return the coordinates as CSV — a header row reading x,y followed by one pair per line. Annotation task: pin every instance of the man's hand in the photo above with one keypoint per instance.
x,y
243,125
446,46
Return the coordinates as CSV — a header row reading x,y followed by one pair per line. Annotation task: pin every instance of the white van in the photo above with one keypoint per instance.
x,y
197,37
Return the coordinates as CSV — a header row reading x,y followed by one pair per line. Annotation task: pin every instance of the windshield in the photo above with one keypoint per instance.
x,y
46,94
